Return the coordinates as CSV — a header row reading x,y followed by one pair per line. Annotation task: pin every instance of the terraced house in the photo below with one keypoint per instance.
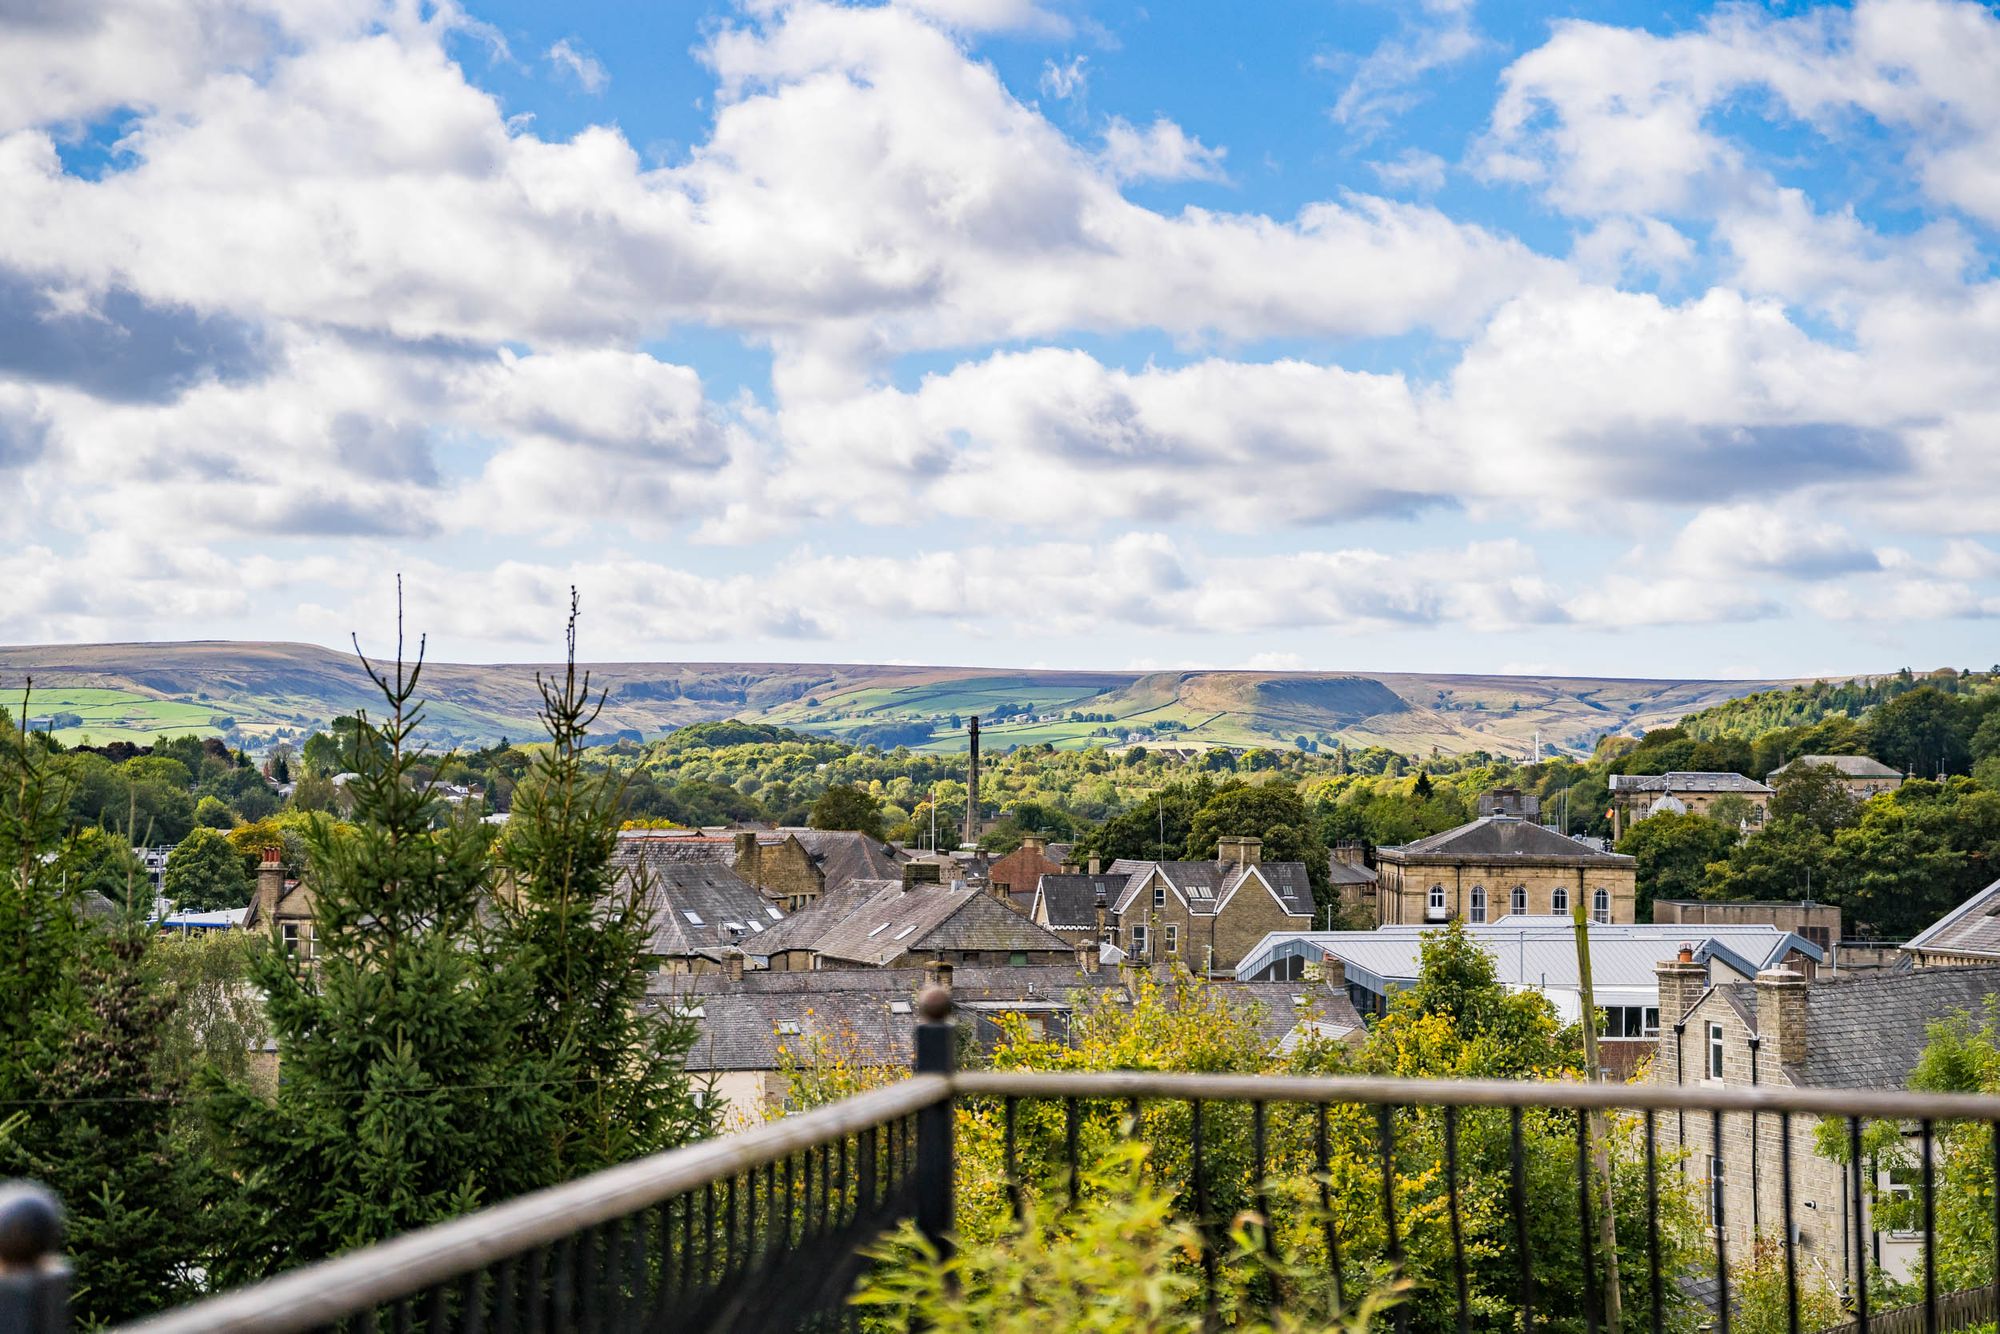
x,y
1206,915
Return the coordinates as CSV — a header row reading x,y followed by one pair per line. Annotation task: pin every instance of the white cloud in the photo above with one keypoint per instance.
x,y
1163,151
1727,541
1068,81
1966,559
993,16
571,59
1436,35
1412,169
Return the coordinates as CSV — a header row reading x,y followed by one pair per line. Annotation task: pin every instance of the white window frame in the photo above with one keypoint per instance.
x,y
1478,910
1138,940
1517,900
1436,900
1173,937
1649,1021
1600,905
1714,1067
290,933
1559,899
1159,896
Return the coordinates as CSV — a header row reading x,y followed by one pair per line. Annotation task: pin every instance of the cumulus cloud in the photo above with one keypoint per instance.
x,y
1067,81
1163,151
1751,539
1435,35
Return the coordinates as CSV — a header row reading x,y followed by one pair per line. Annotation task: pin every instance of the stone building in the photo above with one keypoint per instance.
x,y
700,911
1206,915
791,866
1858,1031
1501,866
1817,922
1968,934
1863,775
899,923
1636,796
283,903
1015,876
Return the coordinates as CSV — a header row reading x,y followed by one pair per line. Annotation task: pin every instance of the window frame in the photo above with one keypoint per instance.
x,y
1517,900
1715,1065
1159,896
1600,906
1139,939
1170,941
1559,899
1434,901
1477,912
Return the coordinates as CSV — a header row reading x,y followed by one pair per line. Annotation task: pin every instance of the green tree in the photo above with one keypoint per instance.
x,y
846,806
1916,853
204,873
1273,812
406,1096
1924,732
1673,852
1787,859
578,922
1816,794
213,813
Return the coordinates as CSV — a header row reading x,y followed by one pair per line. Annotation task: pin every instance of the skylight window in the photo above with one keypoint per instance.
x,y
904,932
757,926
788,1028
899,1007
694,918
774,914
878,930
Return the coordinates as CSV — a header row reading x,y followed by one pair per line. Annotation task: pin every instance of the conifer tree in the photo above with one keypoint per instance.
x,y
406,1095
82,1020
579,922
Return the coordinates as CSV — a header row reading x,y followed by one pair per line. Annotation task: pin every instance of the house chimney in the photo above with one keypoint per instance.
x,y
747,858
1239,850
270,882
1086,956
732,965
1103,911
1350,852
1034,843
1781,1015
972,782
1333,972
1680,981
937,973
1096,866
921,873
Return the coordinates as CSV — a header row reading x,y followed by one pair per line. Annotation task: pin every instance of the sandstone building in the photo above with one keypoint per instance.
x,y
1500,866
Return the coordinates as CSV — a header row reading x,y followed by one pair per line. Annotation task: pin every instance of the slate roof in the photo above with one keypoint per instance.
x,y
804,928
1687,781
896,921
1849,766
1502,837
726,910
1347,873
1866,1030
843,855
1070,901
1208,886
870,1009
1283,1006
1973,927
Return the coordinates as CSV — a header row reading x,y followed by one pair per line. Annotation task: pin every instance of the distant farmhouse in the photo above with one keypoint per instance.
x,y
1636,796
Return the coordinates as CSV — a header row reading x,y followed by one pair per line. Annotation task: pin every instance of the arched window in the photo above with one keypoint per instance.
x,y
1437,901
1519,904
1479,903
1600,905
1559,900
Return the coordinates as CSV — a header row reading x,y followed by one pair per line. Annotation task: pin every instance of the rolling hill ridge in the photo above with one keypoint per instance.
x,y
254,693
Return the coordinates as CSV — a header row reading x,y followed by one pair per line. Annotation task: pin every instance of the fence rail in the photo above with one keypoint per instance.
x,y
765,1229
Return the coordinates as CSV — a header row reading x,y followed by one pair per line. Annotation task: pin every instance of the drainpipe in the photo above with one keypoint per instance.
x,y
1756,1215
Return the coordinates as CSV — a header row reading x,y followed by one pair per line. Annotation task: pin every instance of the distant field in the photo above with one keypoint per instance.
x,y
135,691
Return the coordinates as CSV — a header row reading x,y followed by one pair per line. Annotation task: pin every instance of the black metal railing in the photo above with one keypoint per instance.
x,y
1459,1182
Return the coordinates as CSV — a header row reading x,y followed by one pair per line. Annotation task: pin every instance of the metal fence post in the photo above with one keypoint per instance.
x,y
936,1044
34,1278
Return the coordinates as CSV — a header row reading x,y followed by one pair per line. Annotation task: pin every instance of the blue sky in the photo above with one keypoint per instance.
x,y
1341,334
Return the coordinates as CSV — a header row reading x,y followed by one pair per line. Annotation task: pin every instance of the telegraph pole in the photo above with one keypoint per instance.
x,y
1594,1122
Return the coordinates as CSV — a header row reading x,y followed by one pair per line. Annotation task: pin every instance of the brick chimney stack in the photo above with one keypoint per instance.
x,y
1781,1014
1239,850
937,973
1681,981
270,882
732,965
1103,906
922,873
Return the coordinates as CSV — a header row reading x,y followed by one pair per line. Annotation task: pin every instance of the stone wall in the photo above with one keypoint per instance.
x,y
1405,892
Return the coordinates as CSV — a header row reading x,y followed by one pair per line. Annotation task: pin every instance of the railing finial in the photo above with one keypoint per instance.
x,y
34,1280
